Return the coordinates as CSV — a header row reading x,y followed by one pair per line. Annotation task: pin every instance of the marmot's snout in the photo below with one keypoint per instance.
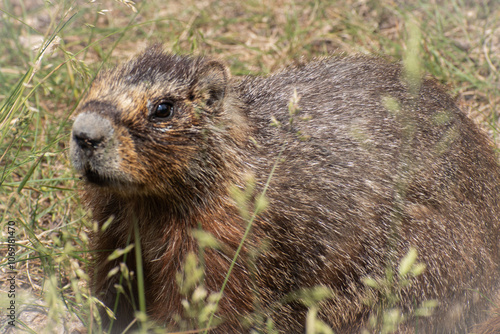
x,y
91,147
90,132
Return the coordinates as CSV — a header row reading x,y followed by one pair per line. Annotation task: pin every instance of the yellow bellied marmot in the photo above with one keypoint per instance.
x,y
371,165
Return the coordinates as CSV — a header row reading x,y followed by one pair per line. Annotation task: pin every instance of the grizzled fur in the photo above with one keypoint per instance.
x,y
369,169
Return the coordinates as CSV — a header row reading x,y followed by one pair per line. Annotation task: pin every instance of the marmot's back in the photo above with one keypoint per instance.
x,y
366,158
370,167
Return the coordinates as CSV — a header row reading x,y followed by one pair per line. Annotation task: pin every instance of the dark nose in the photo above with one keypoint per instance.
x,y
91,130
85,142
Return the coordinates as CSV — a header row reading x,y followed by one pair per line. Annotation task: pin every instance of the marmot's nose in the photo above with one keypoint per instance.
x,y
91,130
85,142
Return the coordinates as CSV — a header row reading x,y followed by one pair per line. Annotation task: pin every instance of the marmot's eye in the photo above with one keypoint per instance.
x,y
163,111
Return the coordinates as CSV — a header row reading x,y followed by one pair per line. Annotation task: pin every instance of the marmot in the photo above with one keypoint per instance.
x,y
371,164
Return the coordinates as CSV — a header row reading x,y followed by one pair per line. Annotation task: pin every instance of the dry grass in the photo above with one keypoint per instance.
x,y
460,39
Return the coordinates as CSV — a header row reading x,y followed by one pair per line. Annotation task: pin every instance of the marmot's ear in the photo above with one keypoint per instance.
x,y
212,82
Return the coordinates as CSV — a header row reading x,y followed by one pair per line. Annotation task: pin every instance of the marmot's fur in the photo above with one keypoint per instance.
x,y
371,165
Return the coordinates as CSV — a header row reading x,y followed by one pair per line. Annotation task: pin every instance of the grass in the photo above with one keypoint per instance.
x,y
40,87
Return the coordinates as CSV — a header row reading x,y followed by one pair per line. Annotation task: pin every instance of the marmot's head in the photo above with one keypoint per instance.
x,y
156,125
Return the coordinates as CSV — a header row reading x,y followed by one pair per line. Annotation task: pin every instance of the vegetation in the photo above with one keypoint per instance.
x,y
51,50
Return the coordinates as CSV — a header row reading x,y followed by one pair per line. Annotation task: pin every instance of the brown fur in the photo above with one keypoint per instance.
x,y
490,326
358,184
